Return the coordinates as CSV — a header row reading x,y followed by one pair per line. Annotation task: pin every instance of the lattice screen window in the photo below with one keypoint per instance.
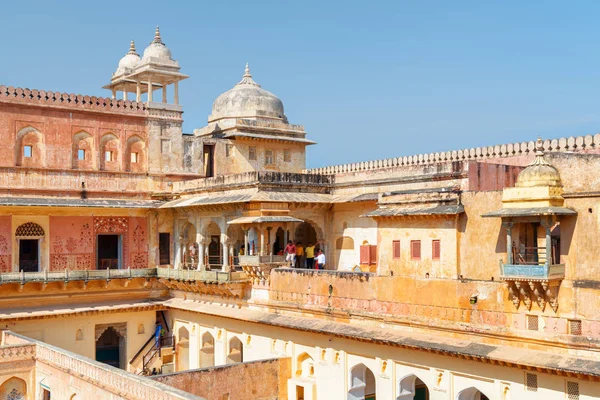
x,y
575,327
533,323
531,382
573,390
30,229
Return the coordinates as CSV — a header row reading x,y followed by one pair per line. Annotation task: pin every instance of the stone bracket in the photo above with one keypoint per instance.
x,y
528,290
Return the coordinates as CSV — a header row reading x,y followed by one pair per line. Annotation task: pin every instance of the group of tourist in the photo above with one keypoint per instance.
x,y
299,256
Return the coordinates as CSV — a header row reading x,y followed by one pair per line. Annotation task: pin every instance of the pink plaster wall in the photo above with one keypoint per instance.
x,y
5,243
72,243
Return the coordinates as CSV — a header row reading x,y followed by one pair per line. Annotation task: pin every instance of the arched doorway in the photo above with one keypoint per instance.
x,y
305,233
109,347
412,388
215,252
13,389
305,366
236,351
207,352
29,236
279,243
190,247
471,394
362,383
183,349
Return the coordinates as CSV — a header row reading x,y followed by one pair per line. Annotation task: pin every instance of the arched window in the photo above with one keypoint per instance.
x,y
411,387
236,351
471,394
136,154
110,153
207,352
82,151
305,366
30,148
29,229
183,349
362,383
13,389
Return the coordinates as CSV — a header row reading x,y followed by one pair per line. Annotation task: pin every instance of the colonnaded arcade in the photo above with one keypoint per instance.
x,y
464,275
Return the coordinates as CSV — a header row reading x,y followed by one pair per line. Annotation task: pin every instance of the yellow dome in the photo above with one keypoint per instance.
x,y
540,172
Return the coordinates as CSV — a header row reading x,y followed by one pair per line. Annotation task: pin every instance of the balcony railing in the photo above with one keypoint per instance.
x,y
254,261
81,275
109,274
205,276
532,262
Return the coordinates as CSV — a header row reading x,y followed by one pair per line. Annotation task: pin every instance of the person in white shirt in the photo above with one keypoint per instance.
x,y
320,260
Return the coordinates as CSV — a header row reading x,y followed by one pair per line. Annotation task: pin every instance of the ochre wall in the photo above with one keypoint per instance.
x,y
253,380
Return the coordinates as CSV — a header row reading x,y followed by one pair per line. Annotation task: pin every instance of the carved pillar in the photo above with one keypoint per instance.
x,y
225,249
200,255
509,248
138,91
114,94
149,90
176,92
246,248
164,93
125,95
270,231
177,245
262,243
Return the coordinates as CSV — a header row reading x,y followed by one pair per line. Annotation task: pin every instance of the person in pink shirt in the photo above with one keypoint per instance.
x,y
290,253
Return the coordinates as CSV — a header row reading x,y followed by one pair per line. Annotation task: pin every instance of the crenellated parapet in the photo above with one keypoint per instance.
x,y
9,94
571,144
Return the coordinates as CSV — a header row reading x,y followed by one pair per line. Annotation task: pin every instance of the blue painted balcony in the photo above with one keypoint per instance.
x,y
532,263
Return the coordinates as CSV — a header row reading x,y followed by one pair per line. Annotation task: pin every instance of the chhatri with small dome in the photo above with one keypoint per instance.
x,y
141,262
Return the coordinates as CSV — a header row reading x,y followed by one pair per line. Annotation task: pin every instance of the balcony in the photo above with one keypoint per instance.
x,y
532,262
531,274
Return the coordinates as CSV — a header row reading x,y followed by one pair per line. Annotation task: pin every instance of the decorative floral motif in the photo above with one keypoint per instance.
x,y
15,395
57,245
110,224
139,260
85,240
58,262
139,237
71,245
5,263
3,245
83,261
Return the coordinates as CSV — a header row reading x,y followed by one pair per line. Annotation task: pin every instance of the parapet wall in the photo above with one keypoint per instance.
x,y
570,144
72,101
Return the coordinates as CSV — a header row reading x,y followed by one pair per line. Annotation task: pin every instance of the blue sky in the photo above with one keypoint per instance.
x,y
368,80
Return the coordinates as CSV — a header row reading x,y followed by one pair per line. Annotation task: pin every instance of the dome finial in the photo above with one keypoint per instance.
x,y
132,48
157,38
539,153
247,78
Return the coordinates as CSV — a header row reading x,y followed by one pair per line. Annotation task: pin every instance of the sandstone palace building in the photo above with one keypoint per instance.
x,y
141,262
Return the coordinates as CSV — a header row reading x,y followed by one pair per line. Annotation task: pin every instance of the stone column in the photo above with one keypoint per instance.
x,y
200,255
138,91
176,92
246,244
509,248
124,95
285,234
177,245
225,248
164,93
270,240
548,244
261,250
114,94
149,90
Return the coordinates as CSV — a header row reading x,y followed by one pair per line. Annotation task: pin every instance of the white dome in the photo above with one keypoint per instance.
x,y
129,61
247,100
157,49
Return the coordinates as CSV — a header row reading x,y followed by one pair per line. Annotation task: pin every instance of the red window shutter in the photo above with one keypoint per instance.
x,y
435,251
373,254
415,249
396,248
364,254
